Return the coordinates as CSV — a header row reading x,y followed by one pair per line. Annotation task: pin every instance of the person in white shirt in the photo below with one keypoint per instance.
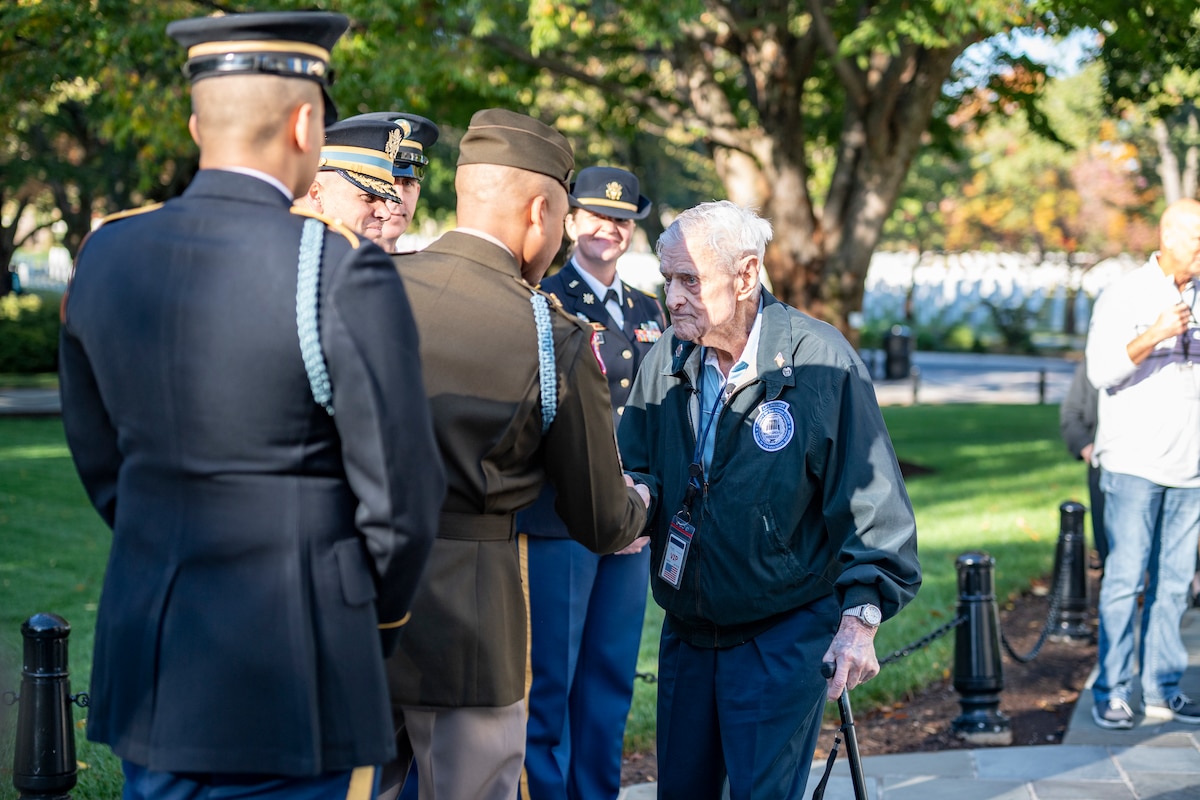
x,y
1142,354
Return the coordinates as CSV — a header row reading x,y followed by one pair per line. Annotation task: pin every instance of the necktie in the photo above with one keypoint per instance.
x,y
615,311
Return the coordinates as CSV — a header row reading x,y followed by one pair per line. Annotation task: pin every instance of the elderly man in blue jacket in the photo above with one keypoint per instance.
x,y
781,532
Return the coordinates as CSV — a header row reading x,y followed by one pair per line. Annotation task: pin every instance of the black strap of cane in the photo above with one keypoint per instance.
x,y
819,792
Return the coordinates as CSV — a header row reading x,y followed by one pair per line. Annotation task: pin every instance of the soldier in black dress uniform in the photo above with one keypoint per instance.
x,y
586,609
243,400
408,168
353,184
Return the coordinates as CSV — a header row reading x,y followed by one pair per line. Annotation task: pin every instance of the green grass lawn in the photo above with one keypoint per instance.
x,y
53,549
998,476
40,380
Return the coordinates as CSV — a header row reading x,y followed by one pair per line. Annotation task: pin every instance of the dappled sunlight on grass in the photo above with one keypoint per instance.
x,y
34,452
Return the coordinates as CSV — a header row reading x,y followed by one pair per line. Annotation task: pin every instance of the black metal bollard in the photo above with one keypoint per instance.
x,y
1070,577
1042,387
44,761
978,677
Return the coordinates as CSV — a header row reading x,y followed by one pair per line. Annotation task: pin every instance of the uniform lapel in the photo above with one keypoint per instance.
x,y
576,288
630,322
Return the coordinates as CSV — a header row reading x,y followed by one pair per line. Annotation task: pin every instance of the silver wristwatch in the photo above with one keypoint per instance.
x,y
868,613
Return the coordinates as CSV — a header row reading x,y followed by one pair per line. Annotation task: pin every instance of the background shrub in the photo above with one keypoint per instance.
x,y
29,332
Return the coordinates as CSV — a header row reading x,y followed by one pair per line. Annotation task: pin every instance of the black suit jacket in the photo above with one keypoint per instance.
x,y
257,541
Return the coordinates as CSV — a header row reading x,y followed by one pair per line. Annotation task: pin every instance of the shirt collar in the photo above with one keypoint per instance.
x,y
597,287
262,176
745,368
487,237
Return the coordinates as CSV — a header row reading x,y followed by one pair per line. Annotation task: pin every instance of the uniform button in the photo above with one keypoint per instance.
x,y
627,354
624,383
621,411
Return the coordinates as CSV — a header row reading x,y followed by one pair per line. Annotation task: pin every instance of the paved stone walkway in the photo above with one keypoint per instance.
x,y
1154,761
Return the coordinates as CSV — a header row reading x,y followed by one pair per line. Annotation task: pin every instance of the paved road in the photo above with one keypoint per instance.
x,y
938,378
29,402
974,378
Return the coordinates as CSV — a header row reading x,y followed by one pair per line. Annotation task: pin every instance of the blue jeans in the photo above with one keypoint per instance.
x,y
1152,533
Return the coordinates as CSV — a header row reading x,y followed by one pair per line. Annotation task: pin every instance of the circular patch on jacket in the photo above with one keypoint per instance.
x,y
774,426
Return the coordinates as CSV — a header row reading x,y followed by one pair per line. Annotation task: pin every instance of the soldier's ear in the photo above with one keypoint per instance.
x,y
194,128
314,197
308,128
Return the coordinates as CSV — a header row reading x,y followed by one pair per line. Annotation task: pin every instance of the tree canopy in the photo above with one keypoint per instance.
x,y
810,110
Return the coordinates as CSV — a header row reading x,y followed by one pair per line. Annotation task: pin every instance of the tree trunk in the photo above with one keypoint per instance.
x,y
819,263
1190,180
1168,164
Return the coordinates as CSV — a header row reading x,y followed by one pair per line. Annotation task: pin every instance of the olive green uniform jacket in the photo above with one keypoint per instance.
x,y
465,645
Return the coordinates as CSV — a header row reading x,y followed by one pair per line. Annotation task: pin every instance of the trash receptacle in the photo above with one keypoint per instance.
x,y
897,353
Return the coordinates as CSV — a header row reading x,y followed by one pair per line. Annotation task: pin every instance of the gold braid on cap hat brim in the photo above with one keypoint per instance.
x,y
382,189
604,203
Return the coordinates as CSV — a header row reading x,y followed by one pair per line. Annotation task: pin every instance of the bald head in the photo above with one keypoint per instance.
x,y
248,110
523,209
489,191
1179,241
265,122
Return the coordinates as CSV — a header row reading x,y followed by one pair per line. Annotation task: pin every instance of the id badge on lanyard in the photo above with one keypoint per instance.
x,y
679,539
681,530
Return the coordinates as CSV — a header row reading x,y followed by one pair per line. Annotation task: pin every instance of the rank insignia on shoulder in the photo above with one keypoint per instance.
x,y
648,332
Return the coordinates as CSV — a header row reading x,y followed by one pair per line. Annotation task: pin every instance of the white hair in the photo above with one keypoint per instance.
x,y
728,231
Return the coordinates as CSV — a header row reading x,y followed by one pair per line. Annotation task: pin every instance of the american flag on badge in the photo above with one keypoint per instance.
x,y
670,570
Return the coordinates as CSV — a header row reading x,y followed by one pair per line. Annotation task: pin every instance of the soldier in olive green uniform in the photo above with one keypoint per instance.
x,y
518,396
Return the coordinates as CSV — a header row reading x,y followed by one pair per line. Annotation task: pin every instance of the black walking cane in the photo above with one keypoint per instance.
x,y
847,728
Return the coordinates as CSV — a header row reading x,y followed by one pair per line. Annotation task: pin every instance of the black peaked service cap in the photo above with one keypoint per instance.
x,y
610,192
420,134
362,151
292,44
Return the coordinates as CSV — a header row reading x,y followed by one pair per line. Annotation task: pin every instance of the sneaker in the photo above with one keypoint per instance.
x,y
1179,708
1114,715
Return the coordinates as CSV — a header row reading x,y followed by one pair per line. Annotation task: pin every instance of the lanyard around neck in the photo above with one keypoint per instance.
x,y
696,477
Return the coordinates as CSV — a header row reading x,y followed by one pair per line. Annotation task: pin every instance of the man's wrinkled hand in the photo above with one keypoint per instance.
x,y
853,653
642,491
